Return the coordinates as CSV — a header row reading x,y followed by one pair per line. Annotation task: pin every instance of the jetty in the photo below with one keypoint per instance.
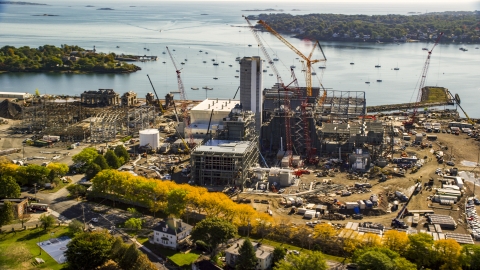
x,y
133,58
405,106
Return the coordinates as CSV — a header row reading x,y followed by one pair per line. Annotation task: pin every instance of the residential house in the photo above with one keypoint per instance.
x,y
264,254
171,233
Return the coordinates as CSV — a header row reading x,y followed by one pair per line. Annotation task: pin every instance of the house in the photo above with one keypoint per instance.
x,y
171,233
264,254
204,263
19,206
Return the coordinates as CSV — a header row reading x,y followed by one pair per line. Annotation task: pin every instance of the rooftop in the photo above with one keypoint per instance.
x,y
218,105
261,251
224,146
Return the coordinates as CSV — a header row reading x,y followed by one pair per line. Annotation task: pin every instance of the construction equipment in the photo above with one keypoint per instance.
x,y
422,83
181,89
307,60
457,101
158,100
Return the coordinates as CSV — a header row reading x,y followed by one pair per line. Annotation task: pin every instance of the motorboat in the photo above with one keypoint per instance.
x,y
292,66
215,78
194,88
314,73
377,66
183,63
204,61
118,46
237,70
352,63
230,65
236,76
397,68
237,59
264,70
367,82
425,49
379,80
249,45
215,64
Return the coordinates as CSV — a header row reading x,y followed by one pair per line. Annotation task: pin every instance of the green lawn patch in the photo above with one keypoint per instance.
x,y
292,247
181,259
55,189
29,238
435,94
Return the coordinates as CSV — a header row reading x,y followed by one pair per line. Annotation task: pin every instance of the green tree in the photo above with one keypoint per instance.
x,y
279,254
76,226
47,221
6,213
246,259
101,161
133,223
118,249
92,170
176,202
112,160
471,257
129,257
401,263
134,212
213,232
420,250
9,187
374,260
122,153
89,250
304,261
86,156
77,190
32,174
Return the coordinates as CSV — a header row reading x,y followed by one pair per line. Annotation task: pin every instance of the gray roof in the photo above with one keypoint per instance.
x,y
173,226
224,146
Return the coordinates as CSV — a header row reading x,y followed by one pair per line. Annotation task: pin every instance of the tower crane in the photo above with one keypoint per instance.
x,y
422,82
307,60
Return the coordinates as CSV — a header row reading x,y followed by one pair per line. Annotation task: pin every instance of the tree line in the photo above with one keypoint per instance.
x,y
61,59
457,27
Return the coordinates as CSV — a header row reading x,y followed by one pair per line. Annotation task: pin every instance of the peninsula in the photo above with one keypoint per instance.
x,y
458,27
66,59
21,3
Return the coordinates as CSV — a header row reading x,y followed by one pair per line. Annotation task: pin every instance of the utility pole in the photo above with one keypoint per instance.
x,y
83,213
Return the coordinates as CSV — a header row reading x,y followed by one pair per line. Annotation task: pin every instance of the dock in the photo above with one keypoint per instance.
x,y
405,106
133,58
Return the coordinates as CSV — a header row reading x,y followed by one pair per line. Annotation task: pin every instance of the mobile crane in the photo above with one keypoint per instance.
x,y
158,100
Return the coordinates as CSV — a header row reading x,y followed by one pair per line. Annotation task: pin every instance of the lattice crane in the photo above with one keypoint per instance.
x,y
422,82
307,60
181,89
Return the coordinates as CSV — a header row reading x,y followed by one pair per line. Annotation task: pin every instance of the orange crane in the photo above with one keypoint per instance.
x,y
307,60
422,82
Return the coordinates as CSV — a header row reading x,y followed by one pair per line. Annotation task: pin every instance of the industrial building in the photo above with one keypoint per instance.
x,y
129,99
251,87
224,163
102,97
15,95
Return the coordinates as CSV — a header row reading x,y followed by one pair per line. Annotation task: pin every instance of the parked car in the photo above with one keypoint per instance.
x,y
476,201
450,163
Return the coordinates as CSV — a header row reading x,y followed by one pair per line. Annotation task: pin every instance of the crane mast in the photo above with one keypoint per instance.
x,y
422,81
308,59
158,100
181,89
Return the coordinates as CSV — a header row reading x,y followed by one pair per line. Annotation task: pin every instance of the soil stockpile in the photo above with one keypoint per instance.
x,y
10,110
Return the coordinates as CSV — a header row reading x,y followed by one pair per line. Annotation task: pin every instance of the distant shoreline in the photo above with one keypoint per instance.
x,y
22,3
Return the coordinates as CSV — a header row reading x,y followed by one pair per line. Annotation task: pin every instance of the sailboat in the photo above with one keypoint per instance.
x,y
378,65
396,68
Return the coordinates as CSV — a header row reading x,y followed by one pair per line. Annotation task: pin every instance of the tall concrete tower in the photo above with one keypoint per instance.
x,y
251,86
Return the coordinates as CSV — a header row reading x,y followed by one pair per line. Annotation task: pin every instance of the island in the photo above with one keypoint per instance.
x,y
89,6
64,59
267,9
21,3
46,15
457,26
105,9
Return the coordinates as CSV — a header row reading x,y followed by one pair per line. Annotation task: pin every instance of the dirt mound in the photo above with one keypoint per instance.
x,y
10,110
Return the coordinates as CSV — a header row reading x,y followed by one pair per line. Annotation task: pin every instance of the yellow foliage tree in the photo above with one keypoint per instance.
x,y
448,251
371,240
396,241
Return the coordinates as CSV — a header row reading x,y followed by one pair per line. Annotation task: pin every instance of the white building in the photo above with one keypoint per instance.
x,y
16,95
264,254
171,233
200,115
251,87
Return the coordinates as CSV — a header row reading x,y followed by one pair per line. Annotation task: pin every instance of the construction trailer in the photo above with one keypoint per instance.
x,y
224,163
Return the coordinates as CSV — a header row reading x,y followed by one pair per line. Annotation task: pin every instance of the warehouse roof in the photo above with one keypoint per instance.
x,y
224,146
216,104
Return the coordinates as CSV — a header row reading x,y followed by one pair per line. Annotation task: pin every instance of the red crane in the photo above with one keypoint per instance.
x,y
422,82
181,89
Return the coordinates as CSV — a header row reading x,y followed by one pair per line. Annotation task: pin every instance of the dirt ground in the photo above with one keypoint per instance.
x,y
460,148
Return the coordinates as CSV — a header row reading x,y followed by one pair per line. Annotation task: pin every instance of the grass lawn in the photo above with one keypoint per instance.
x,y
29,238
291,247
181,259
178,258
57,188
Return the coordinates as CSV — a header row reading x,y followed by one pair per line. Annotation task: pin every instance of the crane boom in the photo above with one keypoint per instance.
x,y
423,79
264,50
308,60
158,100
181,89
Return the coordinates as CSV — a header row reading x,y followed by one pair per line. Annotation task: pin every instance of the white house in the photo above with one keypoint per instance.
x,y
264,254
171,233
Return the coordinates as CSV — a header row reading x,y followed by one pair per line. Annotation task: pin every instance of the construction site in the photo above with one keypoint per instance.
x,y
305,154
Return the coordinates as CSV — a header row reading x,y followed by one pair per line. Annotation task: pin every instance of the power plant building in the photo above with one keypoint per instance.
x,y
222,163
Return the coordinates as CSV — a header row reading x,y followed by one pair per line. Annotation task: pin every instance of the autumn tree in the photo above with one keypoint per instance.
x,y
304,261
112,159
58,169
213,232
246,259
448,254
89,250
32,174
9,187
176,202
396,241
86,156
324,235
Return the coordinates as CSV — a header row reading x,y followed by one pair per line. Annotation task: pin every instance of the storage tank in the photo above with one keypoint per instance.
x,y
150,137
